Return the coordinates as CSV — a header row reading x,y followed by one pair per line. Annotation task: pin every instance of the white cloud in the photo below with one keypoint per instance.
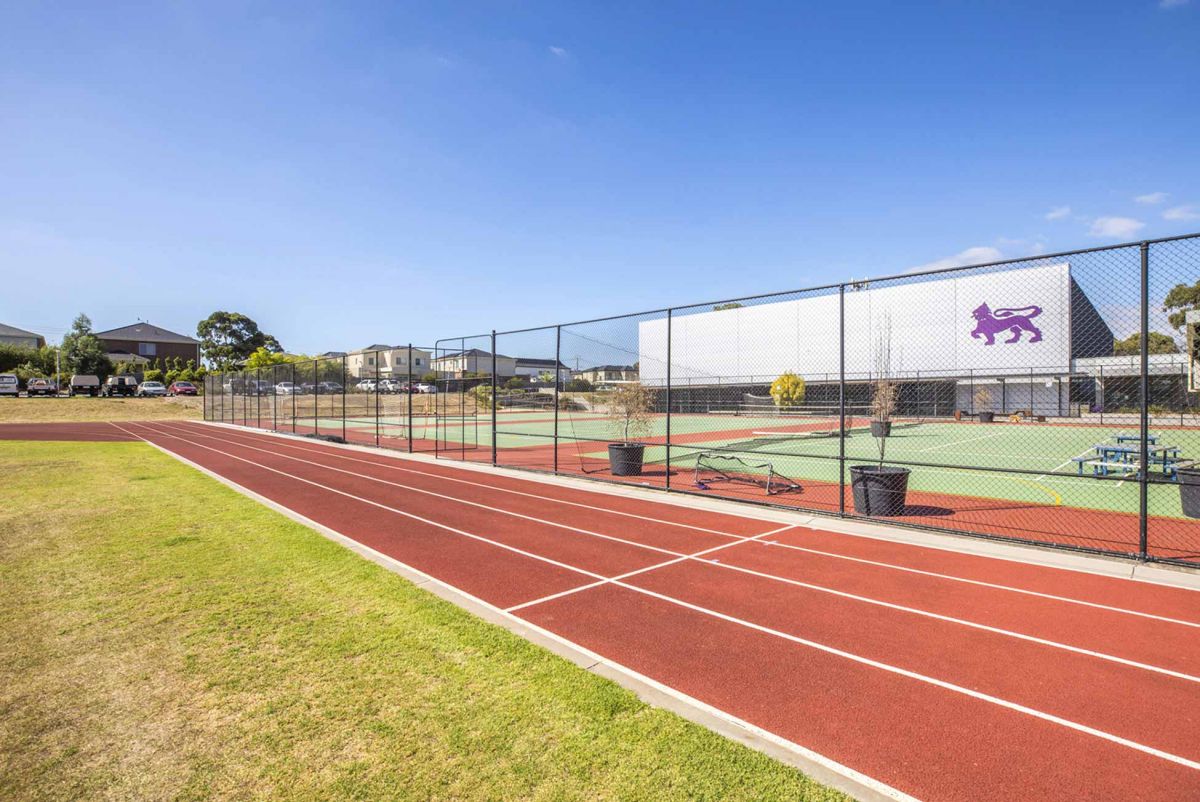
x,y
978,254
1151,199
1172,3
1116,227
561,52
1058,213
1182,213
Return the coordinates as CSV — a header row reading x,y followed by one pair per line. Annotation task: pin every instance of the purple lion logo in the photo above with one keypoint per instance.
x,y
988,323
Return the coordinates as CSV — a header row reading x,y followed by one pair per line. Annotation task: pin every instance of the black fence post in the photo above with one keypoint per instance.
x,y
841,399
557,384
344,396
1144,381
668,444
495,398
316,397
408,390
293,366
375,390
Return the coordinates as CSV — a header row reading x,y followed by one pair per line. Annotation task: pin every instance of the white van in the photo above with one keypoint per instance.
x,y
9,385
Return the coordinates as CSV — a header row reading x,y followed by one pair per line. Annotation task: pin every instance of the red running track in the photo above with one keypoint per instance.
x,y
940,674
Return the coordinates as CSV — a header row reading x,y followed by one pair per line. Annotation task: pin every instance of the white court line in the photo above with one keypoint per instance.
x,y
1060,466
995,700
772,577
331,452
961,442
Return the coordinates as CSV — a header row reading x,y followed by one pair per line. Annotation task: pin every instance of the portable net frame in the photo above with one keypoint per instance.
x,y
713,467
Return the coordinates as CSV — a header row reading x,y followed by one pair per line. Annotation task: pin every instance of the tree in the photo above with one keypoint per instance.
x,y
1179,301
516,383
229,338
1158,344
730,305
82,351
788,390
547,377
578,385
264,358
629,411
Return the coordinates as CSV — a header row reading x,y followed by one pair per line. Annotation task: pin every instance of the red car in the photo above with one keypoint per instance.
x,y
181,388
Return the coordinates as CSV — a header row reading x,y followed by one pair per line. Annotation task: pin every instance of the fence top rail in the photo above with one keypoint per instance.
x,y
841,284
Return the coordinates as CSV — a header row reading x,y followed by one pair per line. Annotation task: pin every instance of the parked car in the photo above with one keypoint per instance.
x,y
9,385
288,388
329,388
152,389
181,388
390,386
41,386
425,388
84,384
366,386
308,388
119,386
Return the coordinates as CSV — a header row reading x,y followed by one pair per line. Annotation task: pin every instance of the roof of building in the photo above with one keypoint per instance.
x,y
332,355
537,363
374,347
13,331
146,332
609,367
472,352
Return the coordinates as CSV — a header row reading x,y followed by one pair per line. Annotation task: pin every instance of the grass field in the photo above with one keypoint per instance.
x,y
163,637
44,410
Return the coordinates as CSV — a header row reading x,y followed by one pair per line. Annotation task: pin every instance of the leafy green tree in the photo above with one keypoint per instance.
x,y
429,378
82,351
229,338
152,375
788,390
264,358
1179,301
578,385
547,377
1158,344
730,305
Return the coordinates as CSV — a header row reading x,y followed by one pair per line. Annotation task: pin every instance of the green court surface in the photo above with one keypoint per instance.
x,y
1027,463
946,456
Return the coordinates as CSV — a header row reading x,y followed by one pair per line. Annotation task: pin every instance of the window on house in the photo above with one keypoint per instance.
x,y
418,361
370,360
147,349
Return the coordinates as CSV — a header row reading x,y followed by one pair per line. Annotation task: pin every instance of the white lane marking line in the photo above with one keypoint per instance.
x,y
893,566
329,452
982,583
448,528
960,442
945,685
648,568
950,686
823,589
445,497
520,626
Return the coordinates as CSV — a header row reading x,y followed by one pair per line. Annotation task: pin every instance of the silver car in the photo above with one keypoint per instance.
x,y
9,385
154,389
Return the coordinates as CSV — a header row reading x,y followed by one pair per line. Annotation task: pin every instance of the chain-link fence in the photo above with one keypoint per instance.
x,y
1048,400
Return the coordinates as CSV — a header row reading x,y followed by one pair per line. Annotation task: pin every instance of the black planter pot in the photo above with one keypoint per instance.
x,y
879,489
1189,491
625,459
881,428
987,417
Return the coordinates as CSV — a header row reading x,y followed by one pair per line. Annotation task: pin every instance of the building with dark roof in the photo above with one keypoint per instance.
x,y
148,341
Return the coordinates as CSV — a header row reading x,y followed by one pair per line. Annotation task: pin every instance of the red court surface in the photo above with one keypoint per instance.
x,y
938,674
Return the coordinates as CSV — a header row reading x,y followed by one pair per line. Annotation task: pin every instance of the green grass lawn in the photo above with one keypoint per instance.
x,y
82,408
162,637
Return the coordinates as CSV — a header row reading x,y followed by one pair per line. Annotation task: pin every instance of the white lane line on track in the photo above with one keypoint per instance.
x,y
647,569
326,451
949,686
522,627
762,575
305,447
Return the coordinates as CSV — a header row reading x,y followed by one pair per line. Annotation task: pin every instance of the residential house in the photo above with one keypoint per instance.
x,y
607,374
533,369
457,364
388,362
141,343
11,335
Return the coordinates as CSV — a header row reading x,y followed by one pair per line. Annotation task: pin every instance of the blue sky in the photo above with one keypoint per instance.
x,y
351,173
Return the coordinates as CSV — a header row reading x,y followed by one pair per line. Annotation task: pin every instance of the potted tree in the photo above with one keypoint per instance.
x,y
881,489
629,417
983,398
883,404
